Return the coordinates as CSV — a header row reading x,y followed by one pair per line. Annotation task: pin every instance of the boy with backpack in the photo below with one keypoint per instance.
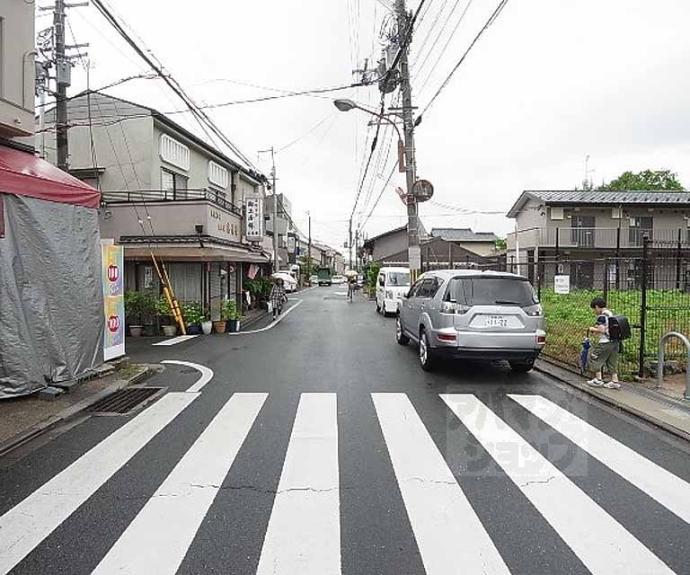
x,y
604,353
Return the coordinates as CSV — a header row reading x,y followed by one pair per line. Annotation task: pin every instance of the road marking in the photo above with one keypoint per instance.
x,y
273,323
665,487
206,373
24,526
601,543
450,536
176,340
303,534
159,536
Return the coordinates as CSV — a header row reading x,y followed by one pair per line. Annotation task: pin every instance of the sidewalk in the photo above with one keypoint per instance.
x,y
26,417
663,408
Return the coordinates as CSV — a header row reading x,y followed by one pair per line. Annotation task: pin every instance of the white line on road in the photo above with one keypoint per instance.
x,y
272,324
303,534
601,543
160,535
450,536
176,340
668,489
24,526
206,373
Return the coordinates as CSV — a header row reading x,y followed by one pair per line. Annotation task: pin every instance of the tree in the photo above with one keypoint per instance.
x,y
501,244
646,180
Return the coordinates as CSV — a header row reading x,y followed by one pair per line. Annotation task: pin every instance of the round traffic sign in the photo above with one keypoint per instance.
x,y
423,190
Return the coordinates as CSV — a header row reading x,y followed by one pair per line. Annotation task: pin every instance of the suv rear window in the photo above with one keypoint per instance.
x,y
491,291
399,279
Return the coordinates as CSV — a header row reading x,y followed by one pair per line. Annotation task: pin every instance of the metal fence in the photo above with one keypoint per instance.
x,y
652,289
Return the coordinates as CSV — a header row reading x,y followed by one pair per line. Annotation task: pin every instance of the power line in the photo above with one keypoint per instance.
x,y
312,129
488,23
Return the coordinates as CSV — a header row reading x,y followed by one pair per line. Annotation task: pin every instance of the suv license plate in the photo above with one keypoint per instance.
x,y
496,321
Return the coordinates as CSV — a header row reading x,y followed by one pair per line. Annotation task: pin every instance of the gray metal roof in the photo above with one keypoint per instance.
x,y
463,235
599,197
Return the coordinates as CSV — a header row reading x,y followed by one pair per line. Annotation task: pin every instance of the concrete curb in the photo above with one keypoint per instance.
x,y
608,397
43,426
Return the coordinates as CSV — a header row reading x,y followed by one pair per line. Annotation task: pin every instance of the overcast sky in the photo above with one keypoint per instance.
x,y
550,82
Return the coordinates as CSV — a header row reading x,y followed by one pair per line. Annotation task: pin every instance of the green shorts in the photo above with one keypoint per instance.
x,y
604,355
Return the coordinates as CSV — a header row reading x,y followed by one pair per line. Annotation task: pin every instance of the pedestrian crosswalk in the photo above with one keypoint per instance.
x,y
302,533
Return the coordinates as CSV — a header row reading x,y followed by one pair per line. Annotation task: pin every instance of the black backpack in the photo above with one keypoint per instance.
x,y
619,328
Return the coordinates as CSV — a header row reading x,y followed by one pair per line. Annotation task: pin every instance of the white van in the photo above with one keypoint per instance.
x,y
391,285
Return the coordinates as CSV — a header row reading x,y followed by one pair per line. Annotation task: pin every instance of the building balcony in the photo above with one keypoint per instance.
x,y
598,238
157,196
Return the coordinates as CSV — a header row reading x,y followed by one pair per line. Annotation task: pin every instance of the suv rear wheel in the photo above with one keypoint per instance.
x,y
400,336
522,366
426,357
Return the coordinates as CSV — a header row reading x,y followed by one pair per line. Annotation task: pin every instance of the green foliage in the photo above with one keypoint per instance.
x,y
259,287
139,305
501,244
163,307
372,274
192,312
645,180
229,310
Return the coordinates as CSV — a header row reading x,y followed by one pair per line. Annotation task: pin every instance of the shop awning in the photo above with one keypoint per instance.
x,y
179,253
24,174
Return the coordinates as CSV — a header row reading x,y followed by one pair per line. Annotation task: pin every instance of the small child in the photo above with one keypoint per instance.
x,y
604,353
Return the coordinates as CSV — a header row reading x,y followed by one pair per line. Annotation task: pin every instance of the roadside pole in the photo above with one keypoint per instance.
x,y
309,250
62,80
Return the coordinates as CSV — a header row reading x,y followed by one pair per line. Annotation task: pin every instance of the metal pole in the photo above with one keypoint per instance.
x,y
276,262
62,81
404,35
349,242
678,257
309,249
643,304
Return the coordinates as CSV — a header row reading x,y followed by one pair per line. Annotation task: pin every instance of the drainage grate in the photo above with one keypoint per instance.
x,y
123,401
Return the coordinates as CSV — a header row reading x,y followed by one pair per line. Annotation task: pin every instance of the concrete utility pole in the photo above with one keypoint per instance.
x,y
309,249
63,73
276,265
404,39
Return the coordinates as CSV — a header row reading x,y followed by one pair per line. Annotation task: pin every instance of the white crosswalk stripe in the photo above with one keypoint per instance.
x,y
601,543
24,526
668,489
448,532
303,533
150,544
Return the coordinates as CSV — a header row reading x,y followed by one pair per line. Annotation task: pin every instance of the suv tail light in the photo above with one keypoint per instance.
x,y
452,307
541,339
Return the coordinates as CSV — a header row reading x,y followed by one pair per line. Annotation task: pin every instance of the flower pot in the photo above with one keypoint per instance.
x,y
136,330
207,327
219,326
193,329
169,330
234,325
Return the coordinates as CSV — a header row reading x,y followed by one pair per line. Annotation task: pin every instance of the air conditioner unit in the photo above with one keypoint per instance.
x,y
556,213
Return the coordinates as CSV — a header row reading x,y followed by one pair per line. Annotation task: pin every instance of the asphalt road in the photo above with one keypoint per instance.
x,y
320,447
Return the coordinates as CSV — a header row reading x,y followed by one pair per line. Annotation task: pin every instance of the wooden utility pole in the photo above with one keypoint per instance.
x,y
63,80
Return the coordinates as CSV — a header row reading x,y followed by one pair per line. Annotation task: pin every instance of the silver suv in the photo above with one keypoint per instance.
x,y
475,315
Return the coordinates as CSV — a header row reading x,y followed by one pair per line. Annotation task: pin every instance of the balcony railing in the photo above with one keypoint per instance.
x,y
598,238
156,196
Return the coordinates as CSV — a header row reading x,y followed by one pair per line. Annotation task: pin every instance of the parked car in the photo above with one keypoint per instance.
x,y
289,283
324,276
391,286
338,279
475,315
313,280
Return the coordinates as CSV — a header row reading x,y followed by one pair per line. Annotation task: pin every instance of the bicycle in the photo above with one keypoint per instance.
x,y
350,291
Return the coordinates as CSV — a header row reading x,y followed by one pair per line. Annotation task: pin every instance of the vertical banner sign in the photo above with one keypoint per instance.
x,y
254,219
113,301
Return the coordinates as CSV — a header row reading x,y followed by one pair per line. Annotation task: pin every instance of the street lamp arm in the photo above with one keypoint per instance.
x,y
347,105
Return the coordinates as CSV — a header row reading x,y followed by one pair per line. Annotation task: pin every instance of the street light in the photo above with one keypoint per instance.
x,y
345,105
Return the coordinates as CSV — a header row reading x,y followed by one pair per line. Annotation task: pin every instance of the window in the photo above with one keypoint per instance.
x,y
583,231
471,291
399,279
174,152
382,280
217,175
414,290
429,288
173,186
639,228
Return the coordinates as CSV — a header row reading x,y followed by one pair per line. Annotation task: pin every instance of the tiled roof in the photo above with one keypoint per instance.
x,y
463,235
598,197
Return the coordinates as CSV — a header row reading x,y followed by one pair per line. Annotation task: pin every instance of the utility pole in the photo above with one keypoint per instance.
x,y
309,249
357,249
63,80
349,242
404,39
276,265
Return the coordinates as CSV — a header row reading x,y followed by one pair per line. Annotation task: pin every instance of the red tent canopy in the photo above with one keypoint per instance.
x,y
24,174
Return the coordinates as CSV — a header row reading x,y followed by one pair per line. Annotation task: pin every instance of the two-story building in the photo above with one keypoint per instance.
x,y
168,193
587,227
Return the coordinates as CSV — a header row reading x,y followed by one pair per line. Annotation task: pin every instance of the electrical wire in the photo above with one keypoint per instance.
x,y
488,23
308,132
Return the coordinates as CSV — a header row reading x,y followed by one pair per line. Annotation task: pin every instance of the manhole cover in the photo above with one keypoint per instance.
x,y
123,401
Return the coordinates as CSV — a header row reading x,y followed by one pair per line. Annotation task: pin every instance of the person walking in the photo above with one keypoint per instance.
x,y
278,298
604,353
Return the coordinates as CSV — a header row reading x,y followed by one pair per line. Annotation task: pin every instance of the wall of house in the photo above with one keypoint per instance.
x,y
483,249
390,244
17,72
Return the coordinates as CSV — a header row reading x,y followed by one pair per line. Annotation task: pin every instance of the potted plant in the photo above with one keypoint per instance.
x,y
231,312
164,311
138,307
193,317
219,326
206,324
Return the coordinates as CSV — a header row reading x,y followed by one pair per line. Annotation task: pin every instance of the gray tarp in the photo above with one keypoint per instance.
x,y
51,299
